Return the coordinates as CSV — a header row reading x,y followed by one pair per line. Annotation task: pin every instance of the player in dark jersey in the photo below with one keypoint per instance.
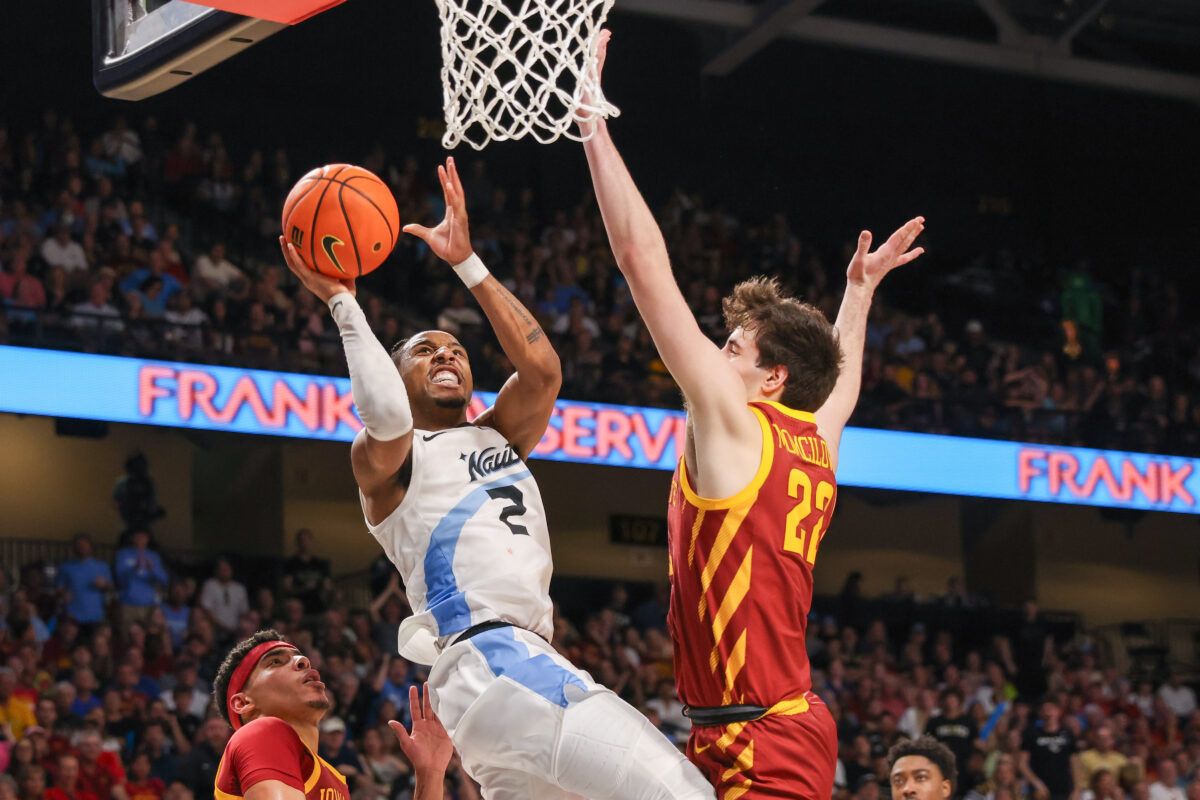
x,y
269,692
753,494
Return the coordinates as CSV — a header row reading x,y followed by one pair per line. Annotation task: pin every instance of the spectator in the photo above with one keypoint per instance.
x,y
954,728
1101,757
861,764
386,770
652,614
66,781
32,783
224,598
391,684
18,287
140,574
387,612
1178,697
177,612
64,252
135,494
307,577
16,711
1168,786
141,784
100,770
84,681
1047,752
915,718
215,273
336,749
129,680
85,580
159,752
1005,782
140,279
670,711
198,772
186,320
97,313
1102,786
121,143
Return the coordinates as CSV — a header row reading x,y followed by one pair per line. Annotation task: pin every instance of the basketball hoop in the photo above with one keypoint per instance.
x,y
516,68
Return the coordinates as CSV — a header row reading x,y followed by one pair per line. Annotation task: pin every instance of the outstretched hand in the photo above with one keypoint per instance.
x,y
867,269
323,286
586,97
428,747
451,239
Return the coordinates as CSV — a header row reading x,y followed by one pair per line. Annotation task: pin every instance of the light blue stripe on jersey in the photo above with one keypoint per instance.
x,y
442,596
541,674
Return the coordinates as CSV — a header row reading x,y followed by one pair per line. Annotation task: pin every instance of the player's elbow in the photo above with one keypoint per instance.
x,y
545,372
637,257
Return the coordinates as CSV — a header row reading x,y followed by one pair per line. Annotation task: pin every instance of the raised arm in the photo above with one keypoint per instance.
x,y
381,447
865,272
526,401
715,393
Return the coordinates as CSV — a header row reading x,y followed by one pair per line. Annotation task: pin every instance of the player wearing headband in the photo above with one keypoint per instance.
x,y
269,692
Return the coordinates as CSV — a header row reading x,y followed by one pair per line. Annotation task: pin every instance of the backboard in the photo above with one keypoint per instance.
x,y
144,47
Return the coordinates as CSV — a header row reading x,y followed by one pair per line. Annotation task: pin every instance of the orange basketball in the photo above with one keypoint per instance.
x,y
342,220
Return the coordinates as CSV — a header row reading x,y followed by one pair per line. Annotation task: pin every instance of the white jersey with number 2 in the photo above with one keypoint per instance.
x,y
469,540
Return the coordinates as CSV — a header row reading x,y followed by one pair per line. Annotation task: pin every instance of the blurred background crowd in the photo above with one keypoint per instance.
x,y
106,666
136,240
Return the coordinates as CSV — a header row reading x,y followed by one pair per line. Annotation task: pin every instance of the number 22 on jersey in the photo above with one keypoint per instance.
x,y
798,538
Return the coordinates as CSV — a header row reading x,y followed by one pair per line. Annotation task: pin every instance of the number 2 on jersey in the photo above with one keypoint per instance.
x,y
796,538
513,495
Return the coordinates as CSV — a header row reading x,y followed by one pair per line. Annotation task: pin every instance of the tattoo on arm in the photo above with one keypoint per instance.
x,y
520,309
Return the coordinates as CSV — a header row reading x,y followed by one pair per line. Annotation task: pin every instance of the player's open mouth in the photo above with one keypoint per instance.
x,y
313,677
445,376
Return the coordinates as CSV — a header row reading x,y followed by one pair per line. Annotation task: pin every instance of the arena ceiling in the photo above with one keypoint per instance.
x,y
1149,46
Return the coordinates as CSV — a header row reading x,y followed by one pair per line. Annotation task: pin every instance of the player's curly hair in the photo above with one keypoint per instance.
x,y
231,662
788,333
931,749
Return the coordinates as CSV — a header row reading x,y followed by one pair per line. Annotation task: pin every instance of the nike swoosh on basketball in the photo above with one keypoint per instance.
x,y
328,242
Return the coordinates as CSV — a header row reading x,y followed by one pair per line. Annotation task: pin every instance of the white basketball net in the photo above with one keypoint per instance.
x,y
515,68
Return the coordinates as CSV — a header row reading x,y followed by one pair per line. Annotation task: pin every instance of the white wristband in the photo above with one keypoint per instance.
x,y
472,271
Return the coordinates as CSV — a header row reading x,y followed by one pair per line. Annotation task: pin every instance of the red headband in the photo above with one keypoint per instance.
x,y
242,674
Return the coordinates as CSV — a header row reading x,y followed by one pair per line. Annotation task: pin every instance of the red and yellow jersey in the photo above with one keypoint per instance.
x,y
742,569
268,749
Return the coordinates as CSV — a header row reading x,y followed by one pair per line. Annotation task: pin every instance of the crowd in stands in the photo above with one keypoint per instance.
x,y
106,668
138,240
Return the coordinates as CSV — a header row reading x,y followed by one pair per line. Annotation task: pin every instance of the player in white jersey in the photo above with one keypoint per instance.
x,y
457,511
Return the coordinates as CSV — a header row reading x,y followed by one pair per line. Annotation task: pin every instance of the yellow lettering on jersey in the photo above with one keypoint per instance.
x,y
329,793
811,449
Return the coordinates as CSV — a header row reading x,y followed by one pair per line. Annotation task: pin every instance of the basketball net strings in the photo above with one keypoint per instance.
x,y
511,72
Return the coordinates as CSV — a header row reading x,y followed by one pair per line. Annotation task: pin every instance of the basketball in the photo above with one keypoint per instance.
x,y
342,220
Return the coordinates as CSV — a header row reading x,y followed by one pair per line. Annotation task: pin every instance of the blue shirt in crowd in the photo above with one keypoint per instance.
x,y
135,279
81,708
78,577
177,622
138,573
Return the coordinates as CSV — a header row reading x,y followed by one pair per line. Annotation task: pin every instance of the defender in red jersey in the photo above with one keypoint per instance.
x,y
269,692
753,494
